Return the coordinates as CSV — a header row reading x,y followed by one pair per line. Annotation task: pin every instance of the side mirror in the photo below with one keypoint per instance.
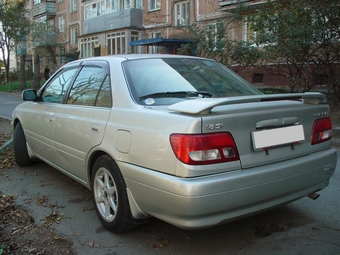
x,y
29,95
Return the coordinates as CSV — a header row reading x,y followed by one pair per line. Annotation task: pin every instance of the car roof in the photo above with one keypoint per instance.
x,y
123,57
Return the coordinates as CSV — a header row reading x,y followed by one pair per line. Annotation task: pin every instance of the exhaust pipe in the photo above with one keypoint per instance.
x,y
313,195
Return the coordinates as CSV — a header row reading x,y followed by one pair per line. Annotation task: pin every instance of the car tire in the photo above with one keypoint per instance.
x,y
110,196
21,155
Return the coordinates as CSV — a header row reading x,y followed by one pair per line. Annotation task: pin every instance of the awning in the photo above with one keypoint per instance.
x,y
160,41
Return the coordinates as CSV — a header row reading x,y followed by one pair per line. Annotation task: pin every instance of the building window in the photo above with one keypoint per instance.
x,y
61,24
35,2
87,46
248,34
258,78
137,4
215,35
116,43
135,36
60,1
62,55
73,6
182,14
74,35
154,5
320,79
155,49
97,8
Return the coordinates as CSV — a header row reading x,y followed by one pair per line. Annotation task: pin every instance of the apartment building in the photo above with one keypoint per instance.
x,y
85,28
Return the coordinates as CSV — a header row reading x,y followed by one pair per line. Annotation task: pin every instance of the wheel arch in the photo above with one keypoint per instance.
x,y
15,123
138,215
92,159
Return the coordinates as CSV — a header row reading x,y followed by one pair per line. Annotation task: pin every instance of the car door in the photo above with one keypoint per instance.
x,y
40,120
81,121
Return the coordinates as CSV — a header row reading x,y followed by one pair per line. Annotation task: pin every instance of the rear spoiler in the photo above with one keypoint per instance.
x,y
205,105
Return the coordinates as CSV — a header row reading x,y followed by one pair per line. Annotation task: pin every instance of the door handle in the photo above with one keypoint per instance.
x,y
95,128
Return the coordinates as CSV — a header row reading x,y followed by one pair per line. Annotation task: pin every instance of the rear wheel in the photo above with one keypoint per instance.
x,y
110,197
21,155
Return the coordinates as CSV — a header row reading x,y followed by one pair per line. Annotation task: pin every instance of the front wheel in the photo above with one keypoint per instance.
x,y
21,155
110,197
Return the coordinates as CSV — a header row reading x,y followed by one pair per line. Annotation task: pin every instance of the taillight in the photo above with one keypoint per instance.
x,y
201,149
322,131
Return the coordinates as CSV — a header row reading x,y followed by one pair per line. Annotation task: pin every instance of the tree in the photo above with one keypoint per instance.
x,y
211,39
45,38
14,25
301,37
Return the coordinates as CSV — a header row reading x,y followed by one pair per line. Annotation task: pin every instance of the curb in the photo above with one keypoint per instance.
x,y
6,145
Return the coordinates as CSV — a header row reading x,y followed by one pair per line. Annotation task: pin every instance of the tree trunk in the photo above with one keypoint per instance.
x,y
36,72
51,52
22,78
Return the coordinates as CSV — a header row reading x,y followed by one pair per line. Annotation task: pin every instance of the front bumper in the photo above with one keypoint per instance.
x,y
206,201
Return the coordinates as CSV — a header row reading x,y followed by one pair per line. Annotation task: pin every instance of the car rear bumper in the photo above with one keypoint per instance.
x,y
206,201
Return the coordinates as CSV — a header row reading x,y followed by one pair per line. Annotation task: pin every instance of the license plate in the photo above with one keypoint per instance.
x,y
279,136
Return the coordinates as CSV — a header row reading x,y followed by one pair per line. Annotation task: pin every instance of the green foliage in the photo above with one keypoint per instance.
x,y
211,41
14,23
15,26
15,86
302,37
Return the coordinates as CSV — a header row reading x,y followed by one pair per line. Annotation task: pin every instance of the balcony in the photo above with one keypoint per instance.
x,y
47,8
233,5
128,18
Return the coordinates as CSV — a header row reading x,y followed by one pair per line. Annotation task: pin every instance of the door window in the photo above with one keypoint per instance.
x,y
55,91
91,88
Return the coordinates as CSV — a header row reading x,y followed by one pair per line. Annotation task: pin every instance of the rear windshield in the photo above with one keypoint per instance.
x,y
170,80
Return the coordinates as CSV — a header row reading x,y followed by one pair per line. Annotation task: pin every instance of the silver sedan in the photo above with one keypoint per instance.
x,y
179,138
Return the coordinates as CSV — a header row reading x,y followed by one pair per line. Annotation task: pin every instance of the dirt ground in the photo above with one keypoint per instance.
x,y
19,234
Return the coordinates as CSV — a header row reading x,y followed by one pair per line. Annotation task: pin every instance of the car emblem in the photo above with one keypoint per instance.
x,y
280,122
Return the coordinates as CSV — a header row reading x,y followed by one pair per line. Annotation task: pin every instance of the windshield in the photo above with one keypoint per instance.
x,y
170,80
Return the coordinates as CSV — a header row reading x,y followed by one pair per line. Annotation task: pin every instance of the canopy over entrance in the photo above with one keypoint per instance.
x,y
170,44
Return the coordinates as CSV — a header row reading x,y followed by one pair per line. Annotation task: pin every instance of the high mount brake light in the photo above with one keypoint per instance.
x,y
202,149
322,131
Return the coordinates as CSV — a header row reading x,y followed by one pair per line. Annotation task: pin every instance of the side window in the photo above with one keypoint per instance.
x,y
55,91
87,86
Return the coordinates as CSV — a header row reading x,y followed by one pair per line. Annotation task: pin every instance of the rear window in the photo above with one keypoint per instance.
x,y
170,80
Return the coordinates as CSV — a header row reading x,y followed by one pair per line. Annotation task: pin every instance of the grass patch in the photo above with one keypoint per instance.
x,y
15,86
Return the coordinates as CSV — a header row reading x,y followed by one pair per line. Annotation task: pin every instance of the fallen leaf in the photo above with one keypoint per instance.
x,y
91,242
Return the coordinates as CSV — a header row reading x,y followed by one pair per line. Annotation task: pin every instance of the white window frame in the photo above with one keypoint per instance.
x,y
117,44
87,46
182,14
74,35
154,5
61,24
137,4
155,49
73,6
95,8
35,2
135,36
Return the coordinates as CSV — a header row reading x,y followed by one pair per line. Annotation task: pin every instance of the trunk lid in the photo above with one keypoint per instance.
x,y
266,129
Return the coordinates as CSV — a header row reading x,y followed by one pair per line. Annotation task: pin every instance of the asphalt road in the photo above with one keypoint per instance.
x,y
303,227
8,102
